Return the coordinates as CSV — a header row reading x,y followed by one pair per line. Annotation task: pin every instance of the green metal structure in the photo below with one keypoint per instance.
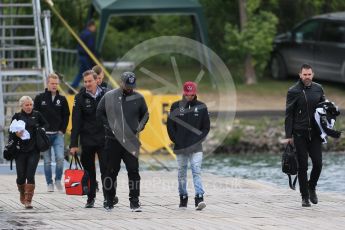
x,y
111,8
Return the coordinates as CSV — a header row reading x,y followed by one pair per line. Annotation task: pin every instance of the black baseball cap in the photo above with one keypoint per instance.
x,y
128,78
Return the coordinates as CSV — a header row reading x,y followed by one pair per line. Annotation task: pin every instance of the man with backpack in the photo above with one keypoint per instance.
x,y
302,130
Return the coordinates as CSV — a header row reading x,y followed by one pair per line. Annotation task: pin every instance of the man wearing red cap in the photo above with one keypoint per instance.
x,y
188,125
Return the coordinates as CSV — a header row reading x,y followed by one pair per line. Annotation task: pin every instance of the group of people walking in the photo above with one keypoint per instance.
x,y
107,123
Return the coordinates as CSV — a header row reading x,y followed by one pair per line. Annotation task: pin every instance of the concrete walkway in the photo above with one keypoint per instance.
x,y
231,204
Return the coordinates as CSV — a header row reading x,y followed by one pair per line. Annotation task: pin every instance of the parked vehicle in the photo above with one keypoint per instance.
x,y
318,41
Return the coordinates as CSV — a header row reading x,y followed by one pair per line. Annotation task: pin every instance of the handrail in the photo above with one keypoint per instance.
x,y
37,31
48,52
37,6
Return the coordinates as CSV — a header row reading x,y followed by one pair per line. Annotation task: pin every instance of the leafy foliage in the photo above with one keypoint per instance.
x,y
265,19
256,37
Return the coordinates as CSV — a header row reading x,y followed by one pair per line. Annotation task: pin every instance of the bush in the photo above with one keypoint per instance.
x,y
256,38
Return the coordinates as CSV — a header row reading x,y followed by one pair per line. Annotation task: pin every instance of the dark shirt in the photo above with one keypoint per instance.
x,y
32,121
88,38
188,125
56,111
301,102
84,123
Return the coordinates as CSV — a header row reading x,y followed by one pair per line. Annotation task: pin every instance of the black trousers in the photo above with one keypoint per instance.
x,y
115,153
88,157
305,146
26,165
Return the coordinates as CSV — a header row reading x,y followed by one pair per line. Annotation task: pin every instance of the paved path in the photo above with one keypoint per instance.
x,y
231,204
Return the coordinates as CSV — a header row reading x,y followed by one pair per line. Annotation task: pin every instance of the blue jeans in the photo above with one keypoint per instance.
x,y
57,143
195,160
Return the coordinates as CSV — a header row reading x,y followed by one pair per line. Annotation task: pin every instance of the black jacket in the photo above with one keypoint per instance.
x,y
129,115
105,86
84,123
301,102
55,112
188,125
32,121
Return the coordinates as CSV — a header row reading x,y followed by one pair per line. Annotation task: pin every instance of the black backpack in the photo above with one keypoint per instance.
x,y
10,150
290,164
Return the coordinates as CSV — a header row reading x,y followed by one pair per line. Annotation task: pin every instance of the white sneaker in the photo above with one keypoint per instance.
x,y
200,206
58,186
50,188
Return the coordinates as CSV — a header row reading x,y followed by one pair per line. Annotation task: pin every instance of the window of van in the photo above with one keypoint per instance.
x,y
307,31
333,32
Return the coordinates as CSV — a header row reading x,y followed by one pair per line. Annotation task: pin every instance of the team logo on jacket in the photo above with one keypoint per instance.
x,y
43,103
181,109
87,101
58,102
131,80
196,112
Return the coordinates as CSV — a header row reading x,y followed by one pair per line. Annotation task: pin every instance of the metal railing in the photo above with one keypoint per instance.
x,y
65,61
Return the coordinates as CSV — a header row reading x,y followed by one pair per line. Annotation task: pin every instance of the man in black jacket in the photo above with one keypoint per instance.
x,y
301,129
188,125
90,131
55,110
124,114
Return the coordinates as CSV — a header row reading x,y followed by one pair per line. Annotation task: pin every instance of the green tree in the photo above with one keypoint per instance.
x,y
217,14
75,13
252,42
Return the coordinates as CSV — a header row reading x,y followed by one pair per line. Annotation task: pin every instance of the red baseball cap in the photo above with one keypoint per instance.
x,y
189,88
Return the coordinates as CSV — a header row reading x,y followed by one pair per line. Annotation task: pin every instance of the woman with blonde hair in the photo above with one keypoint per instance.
x,y
27,154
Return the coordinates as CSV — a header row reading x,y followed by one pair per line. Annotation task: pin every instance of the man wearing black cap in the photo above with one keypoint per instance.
x,y
124,114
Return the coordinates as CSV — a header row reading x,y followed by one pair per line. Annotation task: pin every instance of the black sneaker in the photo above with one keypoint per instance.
x,y
134,205
183,201
113,203
108,207
90,203
305,202
313,196
199,203
115,200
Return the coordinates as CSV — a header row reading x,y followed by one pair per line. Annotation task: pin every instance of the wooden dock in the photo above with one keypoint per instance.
x,y
232,203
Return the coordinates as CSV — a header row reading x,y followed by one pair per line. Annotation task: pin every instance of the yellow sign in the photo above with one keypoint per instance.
x,y
154,136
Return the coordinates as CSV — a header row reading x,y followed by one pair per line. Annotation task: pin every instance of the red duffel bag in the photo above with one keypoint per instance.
x,y
77,181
